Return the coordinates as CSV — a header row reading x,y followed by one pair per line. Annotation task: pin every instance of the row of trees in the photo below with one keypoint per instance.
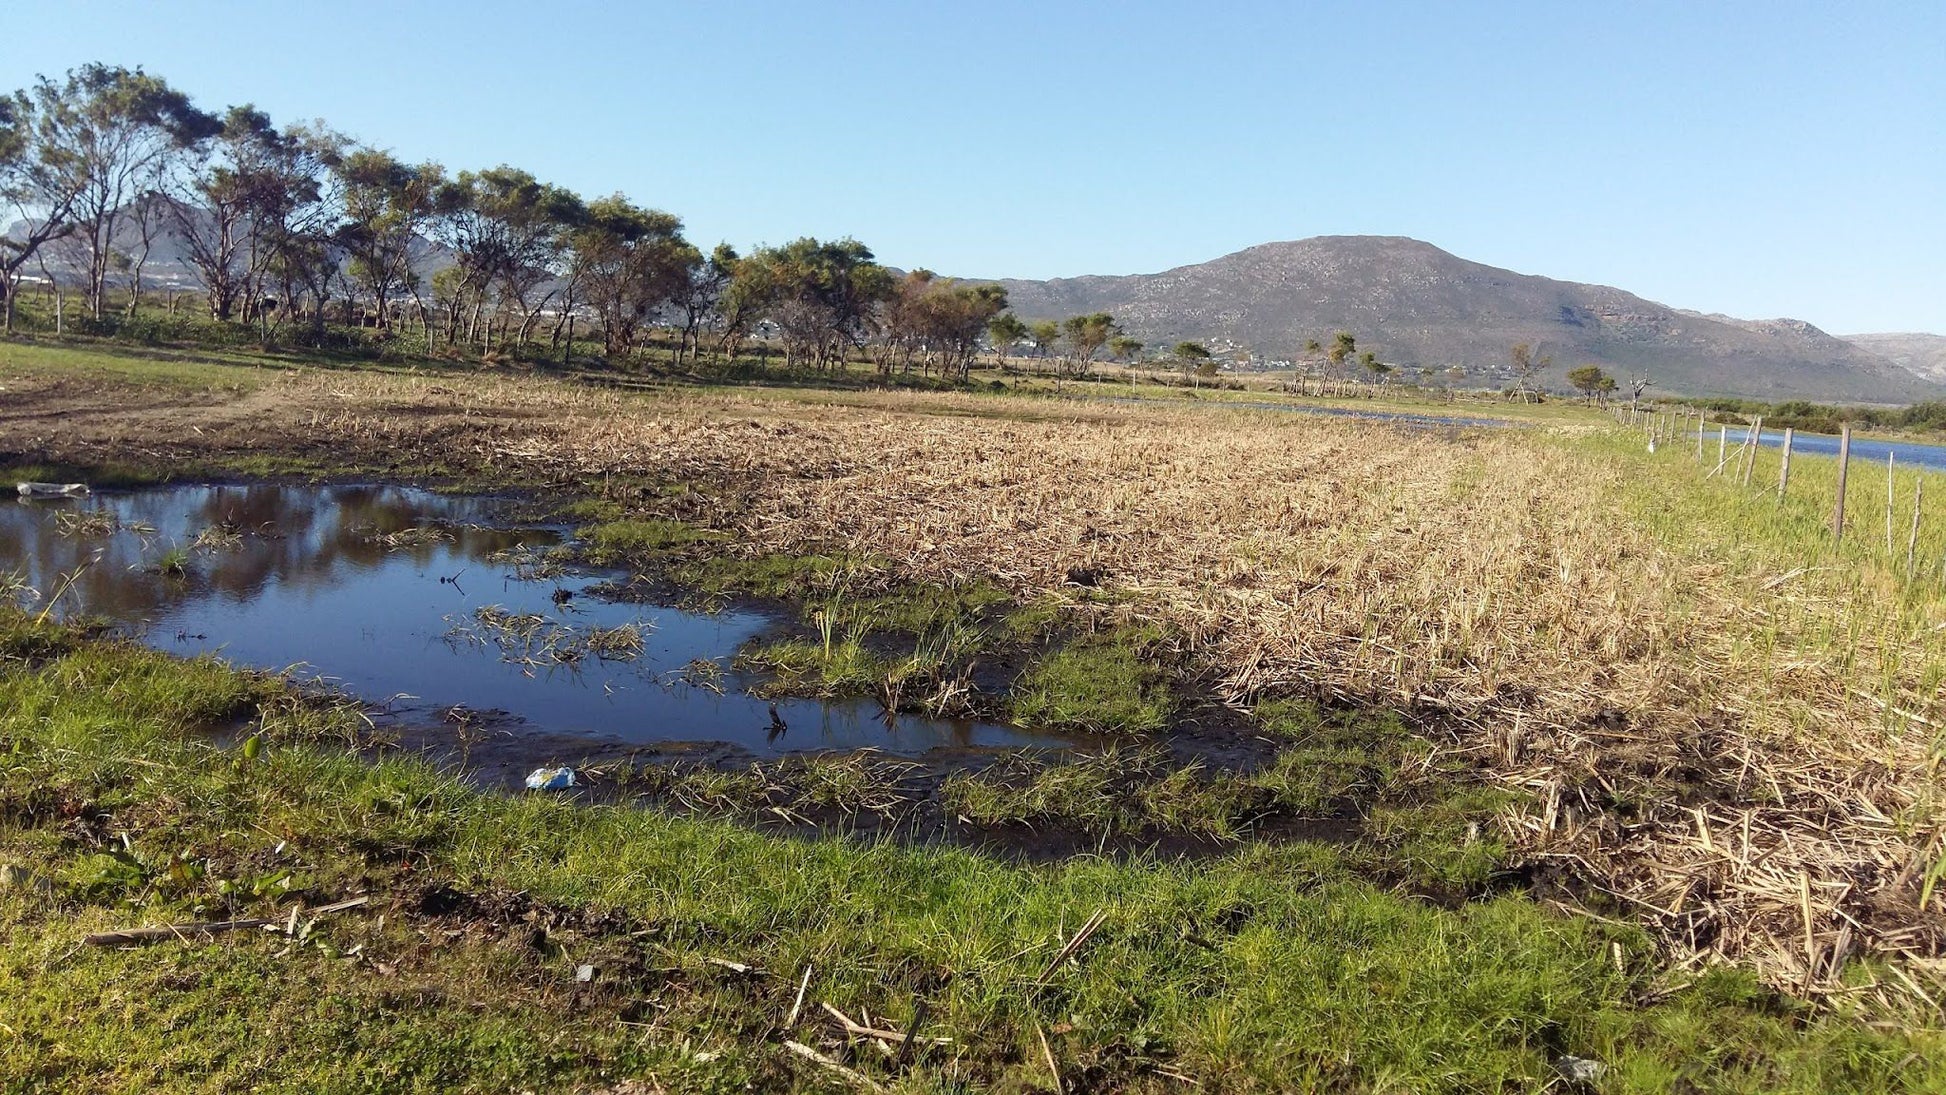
x,y
302,223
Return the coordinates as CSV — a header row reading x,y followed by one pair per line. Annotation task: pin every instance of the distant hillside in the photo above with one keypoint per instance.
x,y
168,263
1922,355
1416,305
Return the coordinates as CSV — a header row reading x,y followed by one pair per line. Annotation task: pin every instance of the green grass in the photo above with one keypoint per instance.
x,y
1104,683
1403,814
1113,792
773,577
804,667
636,539
1256,971
227,372
1890,612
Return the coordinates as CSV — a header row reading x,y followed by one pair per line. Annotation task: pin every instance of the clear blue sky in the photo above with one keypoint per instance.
x,y
1760,159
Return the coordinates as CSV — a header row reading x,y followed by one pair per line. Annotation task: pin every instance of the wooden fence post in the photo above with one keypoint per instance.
x,y
1784,469
1844,462
1699,437
1750,458
1888,503
1912,538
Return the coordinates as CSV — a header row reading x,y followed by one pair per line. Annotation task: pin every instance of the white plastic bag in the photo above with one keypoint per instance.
x,y
550,779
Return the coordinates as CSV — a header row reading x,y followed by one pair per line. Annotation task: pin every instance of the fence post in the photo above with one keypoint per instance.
x,y
1784,469
1912,538
1699,437
1844,462
1750,458
1888,503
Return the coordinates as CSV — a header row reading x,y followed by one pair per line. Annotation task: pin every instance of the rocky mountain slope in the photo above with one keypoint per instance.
x,y
1923,355
1420,307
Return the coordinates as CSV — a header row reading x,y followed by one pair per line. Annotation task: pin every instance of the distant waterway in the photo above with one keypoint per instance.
x,y
1905,454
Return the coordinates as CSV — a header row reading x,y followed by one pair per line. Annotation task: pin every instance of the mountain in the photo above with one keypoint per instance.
x,y
1415,305
1922,355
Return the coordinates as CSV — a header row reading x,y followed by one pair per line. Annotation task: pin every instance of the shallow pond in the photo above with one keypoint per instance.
x,y
424,603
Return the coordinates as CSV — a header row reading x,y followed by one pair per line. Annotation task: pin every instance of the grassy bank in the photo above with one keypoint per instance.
x,y
1269,969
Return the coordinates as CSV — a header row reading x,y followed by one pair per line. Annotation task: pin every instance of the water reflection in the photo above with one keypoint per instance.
x,y
347,580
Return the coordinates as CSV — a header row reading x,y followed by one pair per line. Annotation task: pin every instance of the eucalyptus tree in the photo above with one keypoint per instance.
x,y
1343,347
508,232
1587,379
822,297
1045,333
1085,336
385,205
901,320
107,136
1637,384
746,297
39,196
953,316
1528,364
1005,331
940,318
1192,356
302,220
627,260
235,204
698,294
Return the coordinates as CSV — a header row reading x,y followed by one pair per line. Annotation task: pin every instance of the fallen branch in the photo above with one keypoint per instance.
x,y
1080,937
1047,1053
860,1030
210,927
172,931
851,1074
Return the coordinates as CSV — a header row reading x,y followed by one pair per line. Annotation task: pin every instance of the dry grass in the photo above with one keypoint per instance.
x,y
1746,764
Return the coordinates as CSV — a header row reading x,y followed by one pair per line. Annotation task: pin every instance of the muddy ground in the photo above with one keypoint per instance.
x,y
92,427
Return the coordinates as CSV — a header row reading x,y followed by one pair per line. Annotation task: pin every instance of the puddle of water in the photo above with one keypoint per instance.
x,y
347,581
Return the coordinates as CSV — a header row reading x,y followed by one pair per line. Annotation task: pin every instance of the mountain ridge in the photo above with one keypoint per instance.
x,y
1419,306
1416,305
1918,352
